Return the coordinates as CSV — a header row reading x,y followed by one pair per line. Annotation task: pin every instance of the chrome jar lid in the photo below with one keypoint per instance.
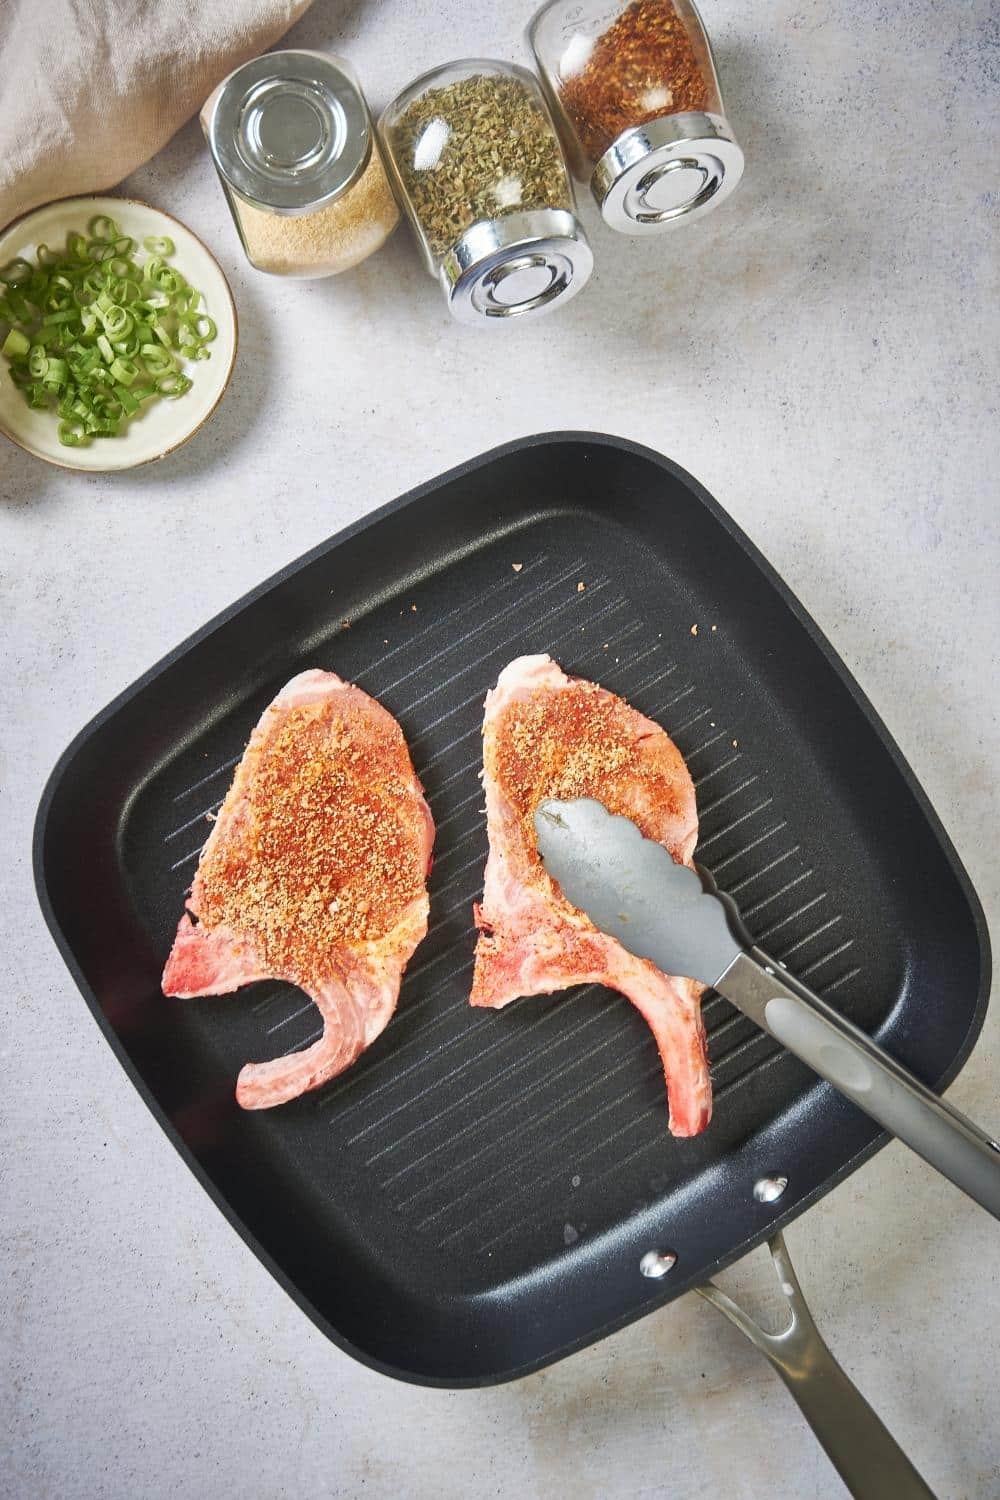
x,y
668,169
521,265
290,131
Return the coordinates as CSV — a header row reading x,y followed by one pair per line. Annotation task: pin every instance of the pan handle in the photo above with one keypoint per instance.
x,y
847,1057
861,1449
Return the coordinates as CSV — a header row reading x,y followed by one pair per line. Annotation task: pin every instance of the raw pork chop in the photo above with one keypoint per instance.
x,y
549,735
315,873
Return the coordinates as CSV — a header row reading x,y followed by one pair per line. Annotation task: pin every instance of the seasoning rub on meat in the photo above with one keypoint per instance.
x,y
549,735
314,873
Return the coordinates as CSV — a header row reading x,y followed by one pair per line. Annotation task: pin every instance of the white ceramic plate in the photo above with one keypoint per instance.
x,y
162,426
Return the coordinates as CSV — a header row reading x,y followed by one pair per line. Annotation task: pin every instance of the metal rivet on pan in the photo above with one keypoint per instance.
x,y
656,1263
769,1189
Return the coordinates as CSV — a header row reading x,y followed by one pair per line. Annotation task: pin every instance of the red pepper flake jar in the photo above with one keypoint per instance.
x,y
636,95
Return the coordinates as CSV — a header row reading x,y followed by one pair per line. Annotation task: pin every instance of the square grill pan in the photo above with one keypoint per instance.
x,y
472,1199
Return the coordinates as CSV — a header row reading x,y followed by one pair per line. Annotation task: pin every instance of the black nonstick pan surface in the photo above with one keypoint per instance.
x,y
473,1198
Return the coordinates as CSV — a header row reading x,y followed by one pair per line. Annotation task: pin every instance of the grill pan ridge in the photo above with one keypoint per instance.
x,y
472,1199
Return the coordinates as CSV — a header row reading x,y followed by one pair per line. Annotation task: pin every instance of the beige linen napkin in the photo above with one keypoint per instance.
x,y
89,89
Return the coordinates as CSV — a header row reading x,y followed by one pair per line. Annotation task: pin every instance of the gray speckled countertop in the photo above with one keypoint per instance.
x,y
822,354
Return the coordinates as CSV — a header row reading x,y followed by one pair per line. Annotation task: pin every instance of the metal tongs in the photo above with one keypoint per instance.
x,y
631,889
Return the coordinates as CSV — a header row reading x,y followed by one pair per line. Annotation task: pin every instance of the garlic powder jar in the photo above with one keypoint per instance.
x,y
292,141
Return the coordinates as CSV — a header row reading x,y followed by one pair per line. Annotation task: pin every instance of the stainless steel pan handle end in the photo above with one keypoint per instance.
x,y
861,1449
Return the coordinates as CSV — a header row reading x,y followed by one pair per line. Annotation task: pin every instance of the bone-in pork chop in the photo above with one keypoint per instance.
x,y
549,735
314,873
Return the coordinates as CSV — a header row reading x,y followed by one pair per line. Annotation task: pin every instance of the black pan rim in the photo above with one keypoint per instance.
x,y
413,497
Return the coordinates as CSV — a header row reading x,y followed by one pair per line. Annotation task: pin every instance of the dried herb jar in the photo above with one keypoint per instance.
x,y
294,146
637,97
479,169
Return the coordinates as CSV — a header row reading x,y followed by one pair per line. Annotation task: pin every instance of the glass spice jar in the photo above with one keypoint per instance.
x,y
637,97
294,146
479,169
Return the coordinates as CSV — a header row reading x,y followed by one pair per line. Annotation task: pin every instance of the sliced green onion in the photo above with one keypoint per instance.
x,y
124,371
186,301
172,384
202,326
117,322
103,227
164,278
91,331
123,269
15,345
156,359
129,403
72,434
17,271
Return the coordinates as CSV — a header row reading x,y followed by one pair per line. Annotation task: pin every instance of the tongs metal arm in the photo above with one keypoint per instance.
x,y
840,1052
